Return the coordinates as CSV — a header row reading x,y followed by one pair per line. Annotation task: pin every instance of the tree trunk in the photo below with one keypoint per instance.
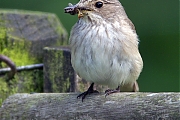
x,y
65,106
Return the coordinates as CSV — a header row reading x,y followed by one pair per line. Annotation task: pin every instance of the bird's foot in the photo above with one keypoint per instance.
x,y
89,91
111,91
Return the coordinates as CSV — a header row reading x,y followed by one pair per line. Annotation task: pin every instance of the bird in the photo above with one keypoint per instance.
x,y
104,46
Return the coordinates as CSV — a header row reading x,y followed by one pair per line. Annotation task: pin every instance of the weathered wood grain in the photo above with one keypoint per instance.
x,y
65,106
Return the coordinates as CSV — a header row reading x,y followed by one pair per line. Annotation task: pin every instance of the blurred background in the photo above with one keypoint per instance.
x,y
157,24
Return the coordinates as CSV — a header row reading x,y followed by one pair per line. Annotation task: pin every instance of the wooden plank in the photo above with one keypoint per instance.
x,y
118,106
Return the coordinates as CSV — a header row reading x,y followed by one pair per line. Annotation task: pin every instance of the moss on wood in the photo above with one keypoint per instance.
x,y
23,35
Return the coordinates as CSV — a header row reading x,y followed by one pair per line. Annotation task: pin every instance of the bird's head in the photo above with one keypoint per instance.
x,y
105,9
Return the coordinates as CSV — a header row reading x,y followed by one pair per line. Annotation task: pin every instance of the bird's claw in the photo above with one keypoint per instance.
x,y
83,95
111,91
89,91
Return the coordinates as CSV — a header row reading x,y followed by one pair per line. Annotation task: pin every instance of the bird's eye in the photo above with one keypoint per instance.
x,y
99,4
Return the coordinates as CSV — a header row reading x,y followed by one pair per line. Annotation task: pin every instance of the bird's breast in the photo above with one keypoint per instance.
x,y
97,54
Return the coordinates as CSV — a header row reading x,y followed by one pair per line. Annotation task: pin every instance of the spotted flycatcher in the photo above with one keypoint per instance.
x,y
104,46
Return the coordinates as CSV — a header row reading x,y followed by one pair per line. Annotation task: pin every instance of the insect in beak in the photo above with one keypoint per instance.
x,y
74,9
71,9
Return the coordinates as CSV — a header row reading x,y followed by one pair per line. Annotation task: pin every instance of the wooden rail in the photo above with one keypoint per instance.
x,y
118,106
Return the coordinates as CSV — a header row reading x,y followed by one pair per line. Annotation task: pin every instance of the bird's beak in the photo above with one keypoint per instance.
x,y
75,9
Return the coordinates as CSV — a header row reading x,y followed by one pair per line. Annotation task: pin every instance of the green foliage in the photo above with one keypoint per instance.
x,y
24,52
23,82
17,51
7,88
30,81
2,35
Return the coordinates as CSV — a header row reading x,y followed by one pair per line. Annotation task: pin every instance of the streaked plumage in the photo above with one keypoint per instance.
x,y
104,45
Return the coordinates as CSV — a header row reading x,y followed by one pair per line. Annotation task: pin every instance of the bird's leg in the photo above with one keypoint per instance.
x,y
135,87
111,91
89,91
